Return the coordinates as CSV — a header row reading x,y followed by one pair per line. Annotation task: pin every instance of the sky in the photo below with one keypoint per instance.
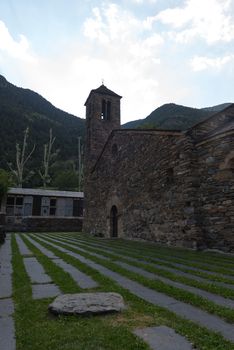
x,y
150,52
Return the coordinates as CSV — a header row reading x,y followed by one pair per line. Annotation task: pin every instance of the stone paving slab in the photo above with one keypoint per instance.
x,y
231,267
81,249
163,338
22,246
210,296
183,266
5,270
83,280
35,271
40,291
7,327
7,334
182,309
44,250
6,307
162,267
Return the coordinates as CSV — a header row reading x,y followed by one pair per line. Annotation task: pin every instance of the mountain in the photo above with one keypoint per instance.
x,y
174,117
21,108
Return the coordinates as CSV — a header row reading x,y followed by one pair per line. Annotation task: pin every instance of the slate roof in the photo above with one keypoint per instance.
x,y
42,192
102,90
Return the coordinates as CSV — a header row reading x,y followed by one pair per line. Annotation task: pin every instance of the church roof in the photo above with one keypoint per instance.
x,y
102,90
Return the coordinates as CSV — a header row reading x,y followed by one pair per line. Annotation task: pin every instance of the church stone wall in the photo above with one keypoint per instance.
x,y
165,186
216,191
150,177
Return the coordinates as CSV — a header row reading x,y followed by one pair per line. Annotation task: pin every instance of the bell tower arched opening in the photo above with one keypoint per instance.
x,y
114,221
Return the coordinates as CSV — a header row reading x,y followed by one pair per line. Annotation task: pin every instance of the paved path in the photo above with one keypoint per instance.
x,y
22,246
5,269
42,286
182,309
83,280
7,327
219,300
165,259
161,267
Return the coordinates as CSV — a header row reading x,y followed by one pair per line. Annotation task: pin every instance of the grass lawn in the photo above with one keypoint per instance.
x,y
36,329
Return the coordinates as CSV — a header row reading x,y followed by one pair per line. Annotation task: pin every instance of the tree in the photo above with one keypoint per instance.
x,y
66,180
21,160
4,183
80,164
48,158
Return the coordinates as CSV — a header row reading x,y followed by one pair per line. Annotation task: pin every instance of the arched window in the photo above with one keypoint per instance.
x,y
108,114
103,109
114,221
106,110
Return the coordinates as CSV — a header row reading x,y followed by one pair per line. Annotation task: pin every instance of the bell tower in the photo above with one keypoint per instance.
x,y
102,116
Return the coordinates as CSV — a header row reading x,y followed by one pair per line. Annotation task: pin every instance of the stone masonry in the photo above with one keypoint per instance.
x,y
170,187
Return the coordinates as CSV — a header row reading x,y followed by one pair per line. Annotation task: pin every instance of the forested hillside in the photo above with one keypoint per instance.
x,y
174,117
22,108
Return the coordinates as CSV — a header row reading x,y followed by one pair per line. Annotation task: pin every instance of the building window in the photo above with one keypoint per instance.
x,y
53,206
14,206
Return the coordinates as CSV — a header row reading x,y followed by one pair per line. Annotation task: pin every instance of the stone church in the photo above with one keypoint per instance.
x,y
170,187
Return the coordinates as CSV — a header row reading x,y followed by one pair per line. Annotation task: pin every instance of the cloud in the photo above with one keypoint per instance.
x,y
201,63
12,48
210,20
126,53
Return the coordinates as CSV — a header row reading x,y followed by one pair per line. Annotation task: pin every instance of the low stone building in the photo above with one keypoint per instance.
x,y
172,187
28,209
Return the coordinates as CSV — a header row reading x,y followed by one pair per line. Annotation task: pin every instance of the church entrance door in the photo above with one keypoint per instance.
x,y
114,221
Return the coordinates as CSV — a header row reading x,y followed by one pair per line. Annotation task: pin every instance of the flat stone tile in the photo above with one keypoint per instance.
x,y
161,267
6,307
207,295
183,266
163,338
22,246
40,291
83,280
44,250
210,296
5,251
5,269
182,309
35,271
7,334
